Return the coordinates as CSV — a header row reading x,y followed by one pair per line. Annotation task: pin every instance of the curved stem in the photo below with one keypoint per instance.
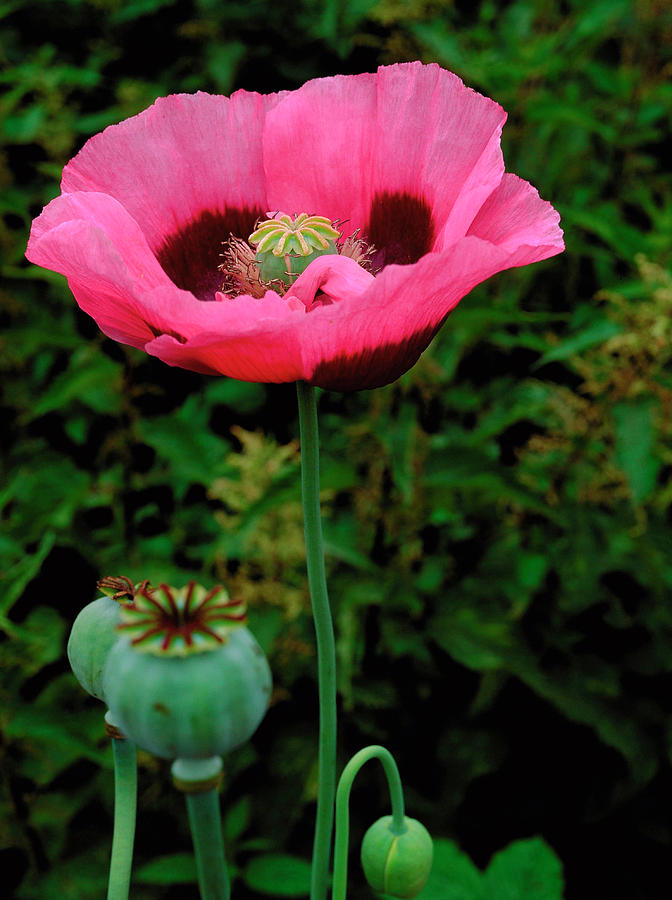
x,y
326,651
343,813
125,801
206,832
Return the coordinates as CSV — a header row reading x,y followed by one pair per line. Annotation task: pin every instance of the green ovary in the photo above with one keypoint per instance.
x,y
286,246
189,707
93,634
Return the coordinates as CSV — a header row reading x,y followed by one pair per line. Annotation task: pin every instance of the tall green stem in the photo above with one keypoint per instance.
x,y
206,832
343,813
198,779
324,630
125,800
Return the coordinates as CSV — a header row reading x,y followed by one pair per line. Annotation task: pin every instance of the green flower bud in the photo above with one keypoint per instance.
x,y
397,864
286,246
187,679
94,631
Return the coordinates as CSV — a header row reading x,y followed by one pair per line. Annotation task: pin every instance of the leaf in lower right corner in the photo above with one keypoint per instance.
x,y
525,870
453,876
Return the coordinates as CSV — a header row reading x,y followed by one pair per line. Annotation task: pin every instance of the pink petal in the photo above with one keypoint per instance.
x,y
371,340
338,278
369,333
515,215
92,240
189,171
261,345
48,247
98,278
411,144
252,357
258,339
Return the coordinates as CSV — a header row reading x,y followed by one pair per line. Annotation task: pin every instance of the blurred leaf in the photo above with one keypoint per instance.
x,y
194,453
43,632
634,450
91,378
237,819
278,875
453,875
525,870
483,643
177,868
23,571
77,878
596,333
134,9
52,747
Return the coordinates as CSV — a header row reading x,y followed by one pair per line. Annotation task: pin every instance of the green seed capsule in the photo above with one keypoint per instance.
x,y
94,631
287,268
286,245
189,681
397,864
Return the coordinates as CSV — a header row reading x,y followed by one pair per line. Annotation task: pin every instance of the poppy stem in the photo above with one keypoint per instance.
x,y
375,751
206,833
198,779
324,630
125,801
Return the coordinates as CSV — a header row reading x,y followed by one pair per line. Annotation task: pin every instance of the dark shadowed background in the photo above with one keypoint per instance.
x,y
498,522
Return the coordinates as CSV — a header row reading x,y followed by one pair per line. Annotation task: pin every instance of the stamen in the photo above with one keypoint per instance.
x,y
359,250
241,272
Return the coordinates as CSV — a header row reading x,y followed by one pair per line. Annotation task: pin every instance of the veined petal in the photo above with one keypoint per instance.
x,y
338,279
267,351
189,171
97,276
407,155
185,155
375,339
48,246
368,333
258,339
515,215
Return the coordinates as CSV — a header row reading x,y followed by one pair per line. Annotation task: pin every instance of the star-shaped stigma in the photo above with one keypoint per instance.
x,y
121,588
300,235
170,621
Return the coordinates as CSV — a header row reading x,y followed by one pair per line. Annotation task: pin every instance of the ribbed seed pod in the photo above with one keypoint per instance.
x,y
287,268
397,864
94,632
287,245
186,679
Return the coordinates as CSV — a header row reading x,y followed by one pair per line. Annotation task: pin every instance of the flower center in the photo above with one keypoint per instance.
x,y
280,249
175,622
286,246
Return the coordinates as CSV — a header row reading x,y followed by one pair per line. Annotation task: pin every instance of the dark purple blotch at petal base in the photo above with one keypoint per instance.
x,y
192,255
400,227
372,367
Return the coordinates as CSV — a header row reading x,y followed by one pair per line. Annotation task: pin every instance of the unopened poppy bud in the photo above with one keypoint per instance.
x,y
94,631
397,863
186,679
286,246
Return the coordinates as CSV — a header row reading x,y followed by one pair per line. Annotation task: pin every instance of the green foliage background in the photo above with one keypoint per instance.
x,y
497,522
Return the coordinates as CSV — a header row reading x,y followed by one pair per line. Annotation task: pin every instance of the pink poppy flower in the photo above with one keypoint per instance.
x,y
407,160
